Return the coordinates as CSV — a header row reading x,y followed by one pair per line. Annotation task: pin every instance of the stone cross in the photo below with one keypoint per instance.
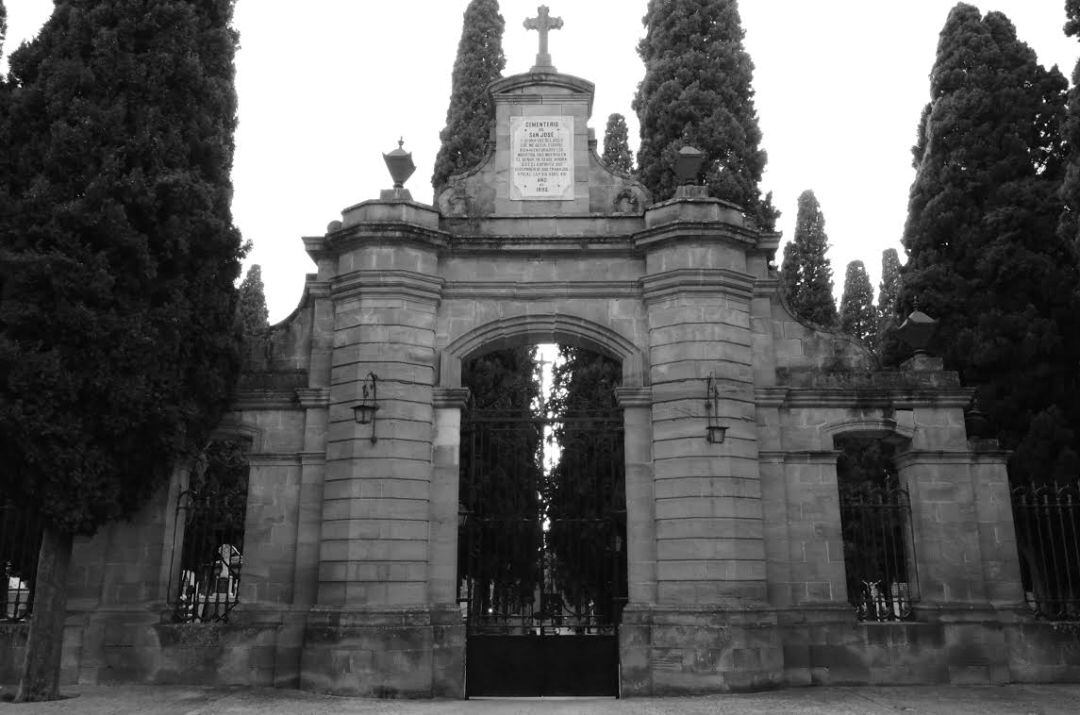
x,y
543,24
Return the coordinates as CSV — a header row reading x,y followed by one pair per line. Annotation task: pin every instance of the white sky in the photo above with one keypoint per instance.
x,y
326,86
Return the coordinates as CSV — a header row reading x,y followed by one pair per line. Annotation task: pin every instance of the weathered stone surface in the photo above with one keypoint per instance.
x,y
736,573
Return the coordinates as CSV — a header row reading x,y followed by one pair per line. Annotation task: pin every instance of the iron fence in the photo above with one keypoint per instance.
x,y
879,552
20,541
1047,518
211,559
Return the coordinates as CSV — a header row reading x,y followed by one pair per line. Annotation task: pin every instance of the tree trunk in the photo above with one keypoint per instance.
x,y
41,668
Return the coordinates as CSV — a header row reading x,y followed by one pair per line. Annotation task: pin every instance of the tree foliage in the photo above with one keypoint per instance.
x,y
888,293
251,303
984,255
806,273
697,91
857,315
501,461
1069,223
471,115
118,347
617,145
585,491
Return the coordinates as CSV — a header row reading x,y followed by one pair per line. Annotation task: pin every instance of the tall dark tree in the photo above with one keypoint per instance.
x,y
3,26
857,315
251,303
118,347
984,254
1069,225
806,274
617,145
889,288
585,491
697,91
501,476
471,116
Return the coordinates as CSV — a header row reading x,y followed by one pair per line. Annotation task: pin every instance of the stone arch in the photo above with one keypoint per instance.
x,y
550,327
231,428
898,432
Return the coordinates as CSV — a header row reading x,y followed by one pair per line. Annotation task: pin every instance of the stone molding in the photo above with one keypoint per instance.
x,y
633,397
313,397
390,282
680,281
712,231
275,459
547,290
450,397
899,398
261,400
911,458
824,456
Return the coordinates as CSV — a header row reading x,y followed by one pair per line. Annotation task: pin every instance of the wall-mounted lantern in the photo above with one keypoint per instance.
x,y
714,431
365,410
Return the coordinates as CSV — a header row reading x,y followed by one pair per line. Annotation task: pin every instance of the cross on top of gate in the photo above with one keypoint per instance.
x,y
543,24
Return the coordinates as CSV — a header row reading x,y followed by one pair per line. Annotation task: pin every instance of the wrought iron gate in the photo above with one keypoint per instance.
x,y
542,555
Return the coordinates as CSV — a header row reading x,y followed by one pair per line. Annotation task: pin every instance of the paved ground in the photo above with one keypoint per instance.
x,y
178,700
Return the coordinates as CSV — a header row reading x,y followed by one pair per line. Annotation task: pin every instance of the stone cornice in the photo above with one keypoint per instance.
x,y
310,397
543,243
680,281
882,397
261,400
927,456
547,290
631,397
449,397
396,283
683,231
389,232
824,456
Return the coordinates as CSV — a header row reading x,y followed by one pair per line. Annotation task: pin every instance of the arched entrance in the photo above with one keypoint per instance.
x,y
542,553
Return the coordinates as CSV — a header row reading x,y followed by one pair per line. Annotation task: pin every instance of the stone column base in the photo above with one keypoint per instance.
x,y
668,650
404,653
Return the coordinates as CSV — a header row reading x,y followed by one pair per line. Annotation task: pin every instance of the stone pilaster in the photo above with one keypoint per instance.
x,y
709,528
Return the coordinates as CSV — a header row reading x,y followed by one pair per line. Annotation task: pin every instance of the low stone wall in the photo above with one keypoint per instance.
x,y
12,650
680,652
385,654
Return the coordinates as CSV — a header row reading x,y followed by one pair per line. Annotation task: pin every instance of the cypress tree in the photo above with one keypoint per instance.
x,y
617,145
3,26
697,91
471,116
251,310
1069,223
888,293
984,254
806,274
857,316
118,347
889,288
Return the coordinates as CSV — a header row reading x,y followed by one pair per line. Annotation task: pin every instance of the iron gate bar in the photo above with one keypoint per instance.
x,y
542,572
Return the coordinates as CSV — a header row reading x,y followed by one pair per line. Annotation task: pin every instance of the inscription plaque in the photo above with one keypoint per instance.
x,y
541,158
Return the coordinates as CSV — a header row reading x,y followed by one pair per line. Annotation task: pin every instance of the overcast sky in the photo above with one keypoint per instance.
x,y
326,86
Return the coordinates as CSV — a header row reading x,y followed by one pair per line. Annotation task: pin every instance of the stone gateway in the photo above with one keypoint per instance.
x,y
741,542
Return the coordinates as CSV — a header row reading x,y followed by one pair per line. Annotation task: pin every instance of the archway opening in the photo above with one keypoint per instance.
x,y
875,518
542,527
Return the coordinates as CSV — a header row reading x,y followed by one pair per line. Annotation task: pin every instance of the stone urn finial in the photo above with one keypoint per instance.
x,y
917,331
688,165
400,164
